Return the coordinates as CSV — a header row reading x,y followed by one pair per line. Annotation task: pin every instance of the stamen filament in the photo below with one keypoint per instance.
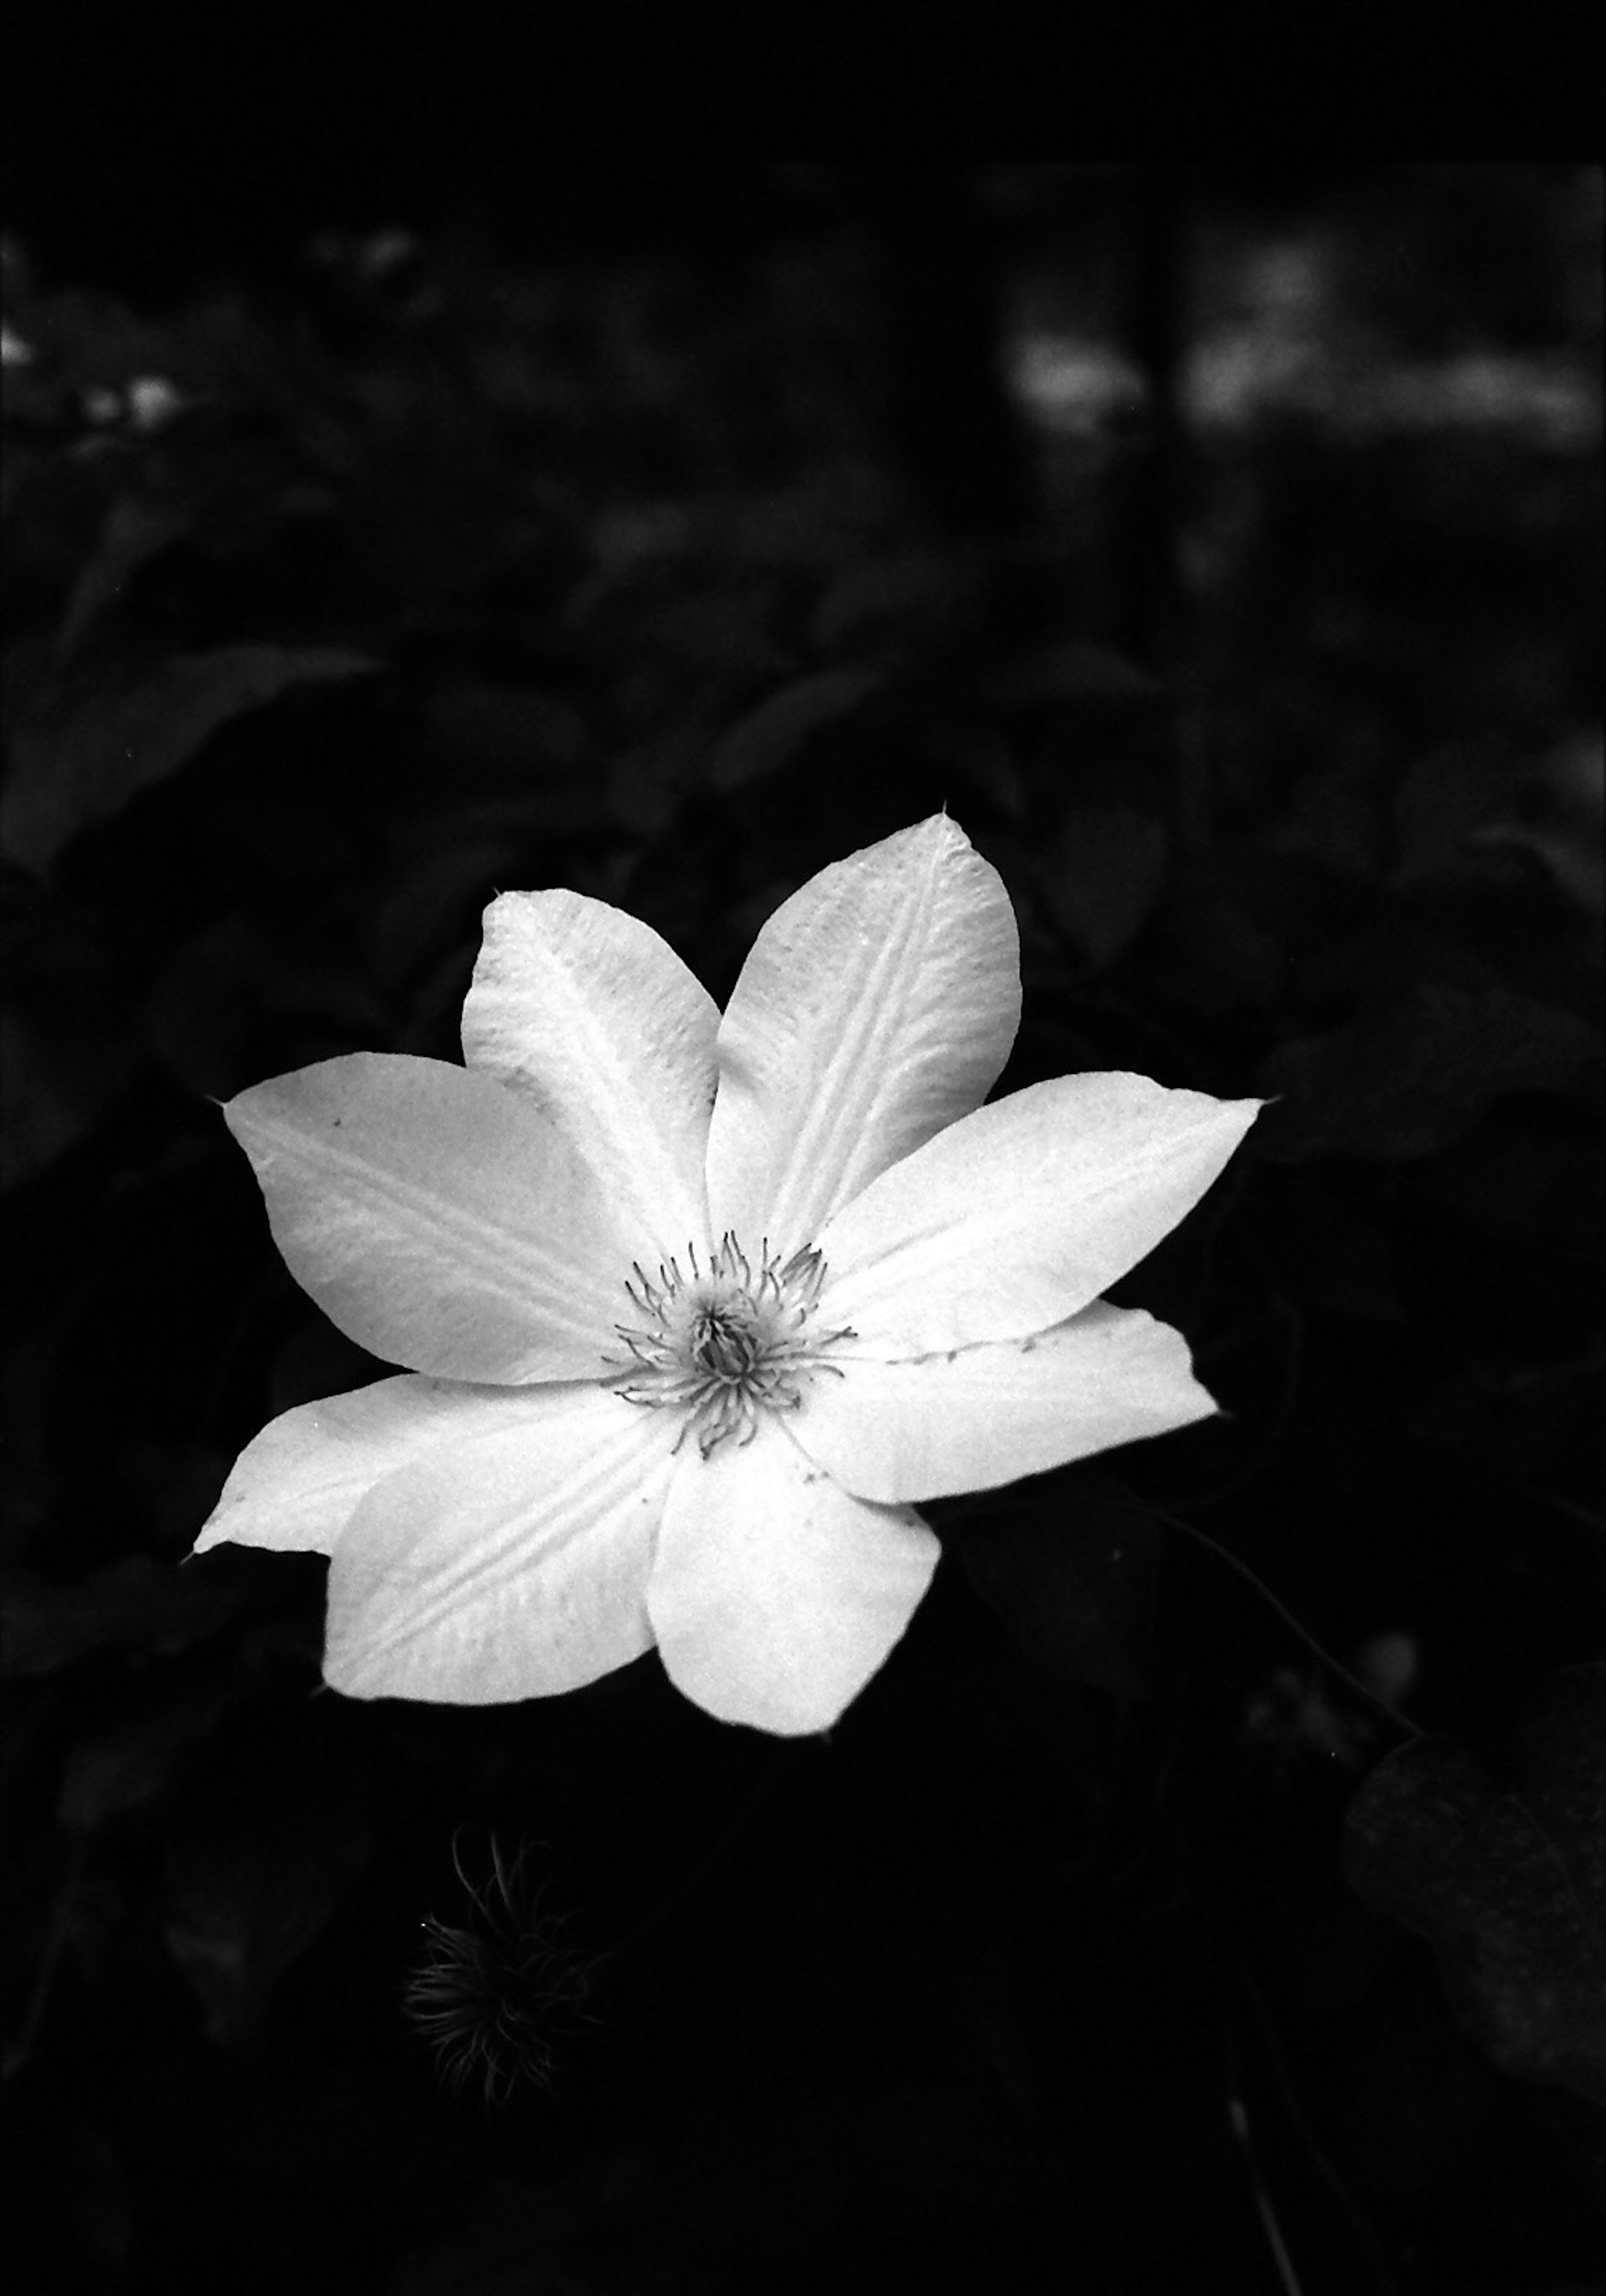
x,y
726,1341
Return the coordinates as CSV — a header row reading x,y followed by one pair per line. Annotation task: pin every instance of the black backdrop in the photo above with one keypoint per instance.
x,y
1209,1890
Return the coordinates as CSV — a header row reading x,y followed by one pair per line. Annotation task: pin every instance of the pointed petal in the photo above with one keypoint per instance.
x,y
989,1414
1020,1215
876,1005
775,1594
297,1484
437,1218
513,1565
594,1016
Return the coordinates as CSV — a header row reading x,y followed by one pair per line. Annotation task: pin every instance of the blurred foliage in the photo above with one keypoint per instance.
x,y
1510,1880
330,611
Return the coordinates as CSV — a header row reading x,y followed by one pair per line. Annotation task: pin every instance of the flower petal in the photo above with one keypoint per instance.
x,y
297,1484
437,1218
589,1011
875,1006
1020,1215
986,1415
513,1565
776,1594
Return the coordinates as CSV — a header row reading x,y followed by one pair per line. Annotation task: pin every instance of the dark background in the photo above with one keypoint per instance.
x,y
397,517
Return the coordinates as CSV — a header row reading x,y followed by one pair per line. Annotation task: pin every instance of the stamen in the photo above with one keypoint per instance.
x,y
726,1341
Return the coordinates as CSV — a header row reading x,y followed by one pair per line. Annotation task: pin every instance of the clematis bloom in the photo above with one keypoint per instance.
x,y
696,1307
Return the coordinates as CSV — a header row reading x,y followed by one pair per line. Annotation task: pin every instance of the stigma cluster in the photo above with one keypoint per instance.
x,y
724,1339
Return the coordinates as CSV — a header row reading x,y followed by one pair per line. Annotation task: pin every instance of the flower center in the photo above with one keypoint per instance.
x,y
724,1342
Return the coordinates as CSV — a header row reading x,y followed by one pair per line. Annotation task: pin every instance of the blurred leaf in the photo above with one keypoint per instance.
x,y
723,631
1408,1080
136,1605
1508,1880
1218,953
133,531
1335,1256
59,1081
511,730
895,605
1443,802
1072,1578
771,736
92,339
433,901
92,752
1564,814
106,1777
215,987
1076,671
1106,875
255,1869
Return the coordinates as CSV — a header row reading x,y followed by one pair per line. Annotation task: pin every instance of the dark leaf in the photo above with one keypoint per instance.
x,y
1072,1578
889,604
770,737
109,1776
137,1605
83,761
1408,1080
255,1869
1444,801
1106,876
135,531
1507,1878
1076,671
58,1084
510,732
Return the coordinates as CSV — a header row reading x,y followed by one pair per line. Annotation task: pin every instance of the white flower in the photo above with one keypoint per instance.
x,y
694,1305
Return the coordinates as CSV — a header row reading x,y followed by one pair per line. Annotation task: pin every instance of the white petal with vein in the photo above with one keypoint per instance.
x,y
591,1012
1020,1214
297,1485
776,1594
513,1565
436,1217
876,1005
984,1415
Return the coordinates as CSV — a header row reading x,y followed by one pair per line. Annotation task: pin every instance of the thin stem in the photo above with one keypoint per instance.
x,y
1352,1682
1240,2120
